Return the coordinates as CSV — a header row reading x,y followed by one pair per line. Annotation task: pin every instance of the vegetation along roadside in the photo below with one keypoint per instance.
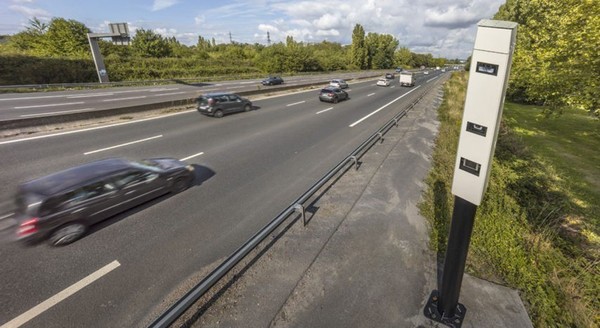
x,y
537,227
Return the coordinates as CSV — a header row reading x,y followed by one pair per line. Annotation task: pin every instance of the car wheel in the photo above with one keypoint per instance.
x,y
180,185
67,234
247,108
218,113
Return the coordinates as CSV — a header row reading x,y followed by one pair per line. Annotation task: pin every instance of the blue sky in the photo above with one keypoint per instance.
x,y
441,27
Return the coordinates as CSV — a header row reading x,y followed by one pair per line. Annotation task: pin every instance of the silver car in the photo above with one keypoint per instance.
x,y
338,83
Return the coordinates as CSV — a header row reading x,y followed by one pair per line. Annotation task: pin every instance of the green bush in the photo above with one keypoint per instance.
x,y
20,69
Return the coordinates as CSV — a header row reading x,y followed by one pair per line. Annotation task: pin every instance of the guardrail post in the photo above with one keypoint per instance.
x,y
355,161
298,208
380,134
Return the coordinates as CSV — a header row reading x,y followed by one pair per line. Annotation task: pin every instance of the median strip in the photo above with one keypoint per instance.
x,y
47,304
122,145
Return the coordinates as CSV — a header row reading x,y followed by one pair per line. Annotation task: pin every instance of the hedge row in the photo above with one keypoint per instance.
x,y
19,69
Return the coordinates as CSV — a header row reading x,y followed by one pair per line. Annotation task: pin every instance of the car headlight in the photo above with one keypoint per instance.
x,y
189,168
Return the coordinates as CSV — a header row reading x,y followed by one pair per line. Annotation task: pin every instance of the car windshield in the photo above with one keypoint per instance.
x,y
203,101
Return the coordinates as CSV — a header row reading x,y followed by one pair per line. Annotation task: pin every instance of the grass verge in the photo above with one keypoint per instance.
x,y
537,227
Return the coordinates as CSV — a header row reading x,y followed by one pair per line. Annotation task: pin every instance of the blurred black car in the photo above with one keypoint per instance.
x,y
61,206
390,76
219,104
272,80
333,94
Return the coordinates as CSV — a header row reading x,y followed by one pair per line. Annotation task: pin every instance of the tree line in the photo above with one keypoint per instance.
x,y
557,58
50,47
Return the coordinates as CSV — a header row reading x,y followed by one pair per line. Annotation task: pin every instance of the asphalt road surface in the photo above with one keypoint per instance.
x,y
250,166
40,104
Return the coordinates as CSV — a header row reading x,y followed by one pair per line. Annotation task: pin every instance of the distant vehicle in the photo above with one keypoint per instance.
x,y
407,79
443,70
398,69
333,94
272,80
426,72
390,76
219,104
62,206
338,83
384,82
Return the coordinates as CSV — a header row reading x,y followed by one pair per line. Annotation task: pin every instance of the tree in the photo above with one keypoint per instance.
x,y
358,52
556,60
146,43
272,59
403,57
66,38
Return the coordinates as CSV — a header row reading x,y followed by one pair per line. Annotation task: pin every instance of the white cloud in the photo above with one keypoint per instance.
x,y
168,32
199,20
30,12
439,27
267,28
331,32
162,4
327,21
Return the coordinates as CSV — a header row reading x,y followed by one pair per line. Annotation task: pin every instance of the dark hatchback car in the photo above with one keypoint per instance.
x,y
333,94
62,206
219,104
272,80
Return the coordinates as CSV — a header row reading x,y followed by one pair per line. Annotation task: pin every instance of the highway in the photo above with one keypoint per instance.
x,y
249,167
40,104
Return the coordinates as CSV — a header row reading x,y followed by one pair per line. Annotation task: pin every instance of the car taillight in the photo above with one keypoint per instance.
x,y
28,227
331,95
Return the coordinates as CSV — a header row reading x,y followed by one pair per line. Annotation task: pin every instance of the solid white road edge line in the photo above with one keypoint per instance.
x,y
168,94
432,79
50,105
40,308
62,111
95,128
190,157
370,94
128,98
90,95
324,110
382,107
122,145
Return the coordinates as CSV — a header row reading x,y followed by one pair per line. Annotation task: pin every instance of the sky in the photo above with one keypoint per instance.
x,y
443,28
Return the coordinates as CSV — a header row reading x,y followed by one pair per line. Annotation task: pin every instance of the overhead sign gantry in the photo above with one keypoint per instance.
x,y
119,33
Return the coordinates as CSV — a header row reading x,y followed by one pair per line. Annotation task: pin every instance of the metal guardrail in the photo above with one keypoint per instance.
x,y
177,309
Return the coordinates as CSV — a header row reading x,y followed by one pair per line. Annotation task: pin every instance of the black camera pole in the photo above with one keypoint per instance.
x,y
443,305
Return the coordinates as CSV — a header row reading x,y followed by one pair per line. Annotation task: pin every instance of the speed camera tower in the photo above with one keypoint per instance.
x,y
488,78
